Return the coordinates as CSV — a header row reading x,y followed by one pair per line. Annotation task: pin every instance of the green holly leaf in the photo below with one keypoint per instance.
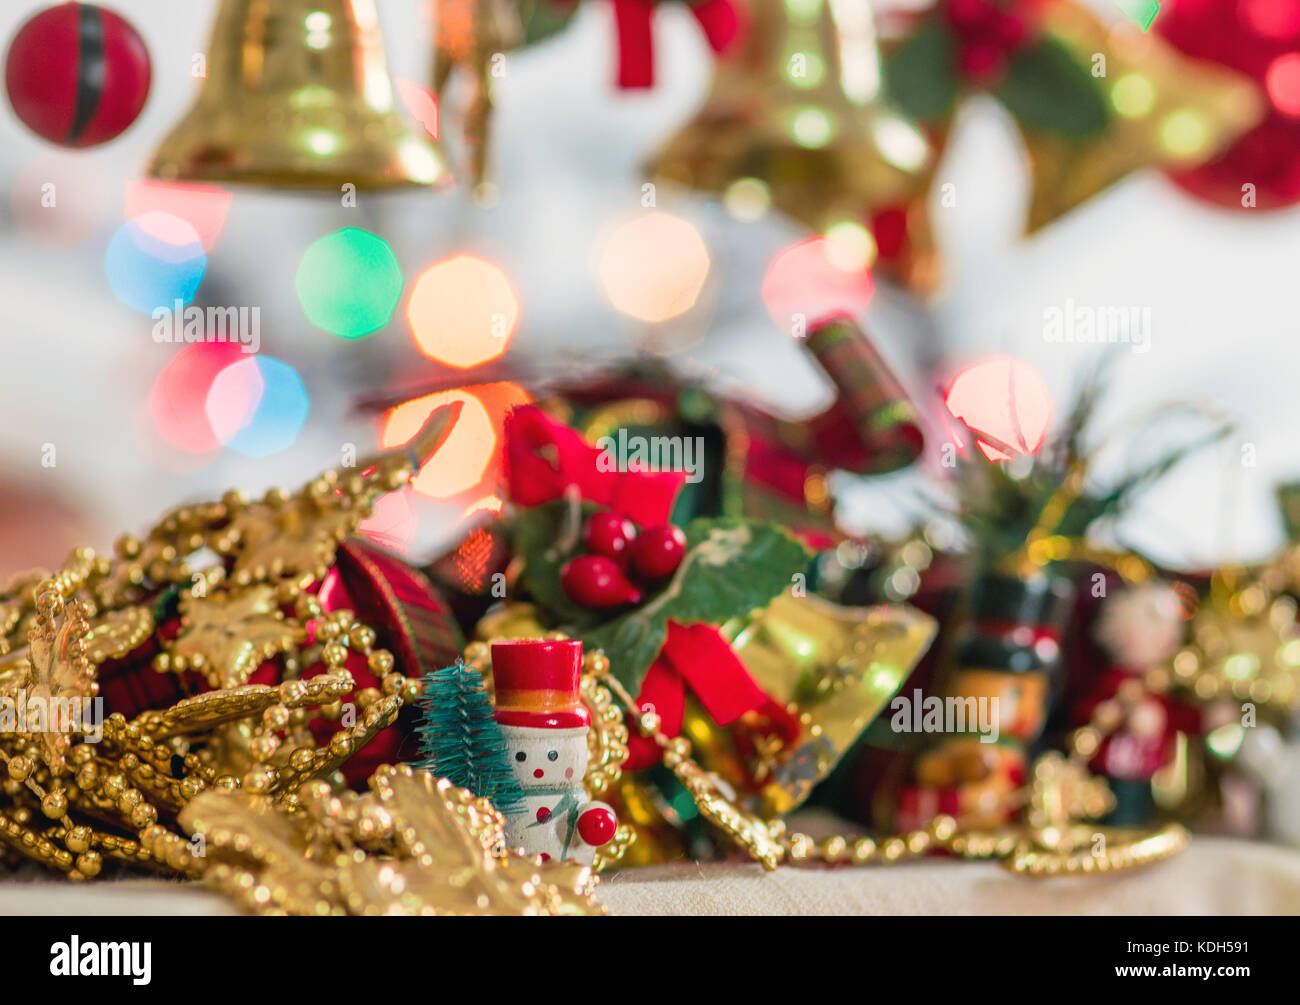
x,y
546,537
921,75
1047,88
731,568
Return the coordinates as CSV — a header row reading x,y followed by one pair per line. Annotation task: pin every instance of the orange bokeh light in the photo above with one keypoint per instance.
x,y
463,311
470,459
1005,403
654,266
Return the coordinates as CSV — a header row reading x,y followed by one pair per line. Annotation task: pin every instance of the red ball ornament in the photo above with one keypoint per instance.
x,y
597,826
658,551
77,74
596,582
1260,38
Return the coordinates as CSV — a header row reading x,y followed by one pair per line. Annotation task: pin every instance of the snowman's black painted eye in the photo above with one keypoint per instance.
x,y
521,756
553,755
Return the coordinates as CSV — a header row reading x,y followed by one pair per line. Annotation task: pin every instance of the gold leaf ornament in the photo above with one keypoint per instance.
x,y
225,636
442,853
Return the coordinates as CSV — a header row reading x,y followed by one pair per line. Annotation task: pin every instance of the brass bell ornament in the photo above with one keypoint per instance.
x,y
297,94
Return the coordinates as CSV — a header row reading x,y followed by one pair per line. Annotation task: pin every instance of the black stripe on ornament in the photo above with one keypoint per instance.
x,y
90,69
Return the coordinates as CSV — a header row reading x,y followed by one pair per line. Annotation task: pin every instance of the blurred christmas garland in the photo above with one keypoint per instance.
x,y
837,121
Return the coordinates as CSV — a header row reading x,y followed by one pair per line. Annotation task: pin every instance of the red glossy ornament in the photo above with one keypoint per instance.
x,y
610,534
1255,37
597,582
596,827
77,74
658,551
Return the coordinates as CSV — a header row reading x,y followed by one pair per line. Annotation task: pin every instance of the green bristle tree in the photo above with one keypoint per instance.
x,y
460,738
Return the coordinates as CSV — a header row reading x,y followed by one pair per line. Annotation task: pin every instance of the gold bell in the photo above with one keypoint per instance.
x,y
297,94
795,117
838,666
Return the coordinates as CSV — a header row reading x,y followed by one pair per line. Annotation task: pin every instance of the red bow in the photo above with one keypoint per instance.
x,y
699,656
544,458
719,19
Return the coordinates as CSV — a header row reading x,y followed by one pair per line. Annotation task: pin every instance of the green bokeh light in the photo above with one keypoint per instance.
x,y
349,283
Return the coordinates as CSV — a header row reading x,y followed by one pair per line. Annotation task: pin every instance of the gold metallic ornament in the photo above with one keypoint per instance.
x,y
838,666
1056,843
795,119
296,93
1167,111
757,837
56,669
1051,839
1245,646
472,37
225,637
117,633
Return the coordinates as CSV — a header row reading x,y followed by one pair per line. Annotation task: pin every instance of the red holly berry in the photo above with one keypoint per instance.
x,y
595,581
981,62
969,13
1010,30
658,551
610,534
988,35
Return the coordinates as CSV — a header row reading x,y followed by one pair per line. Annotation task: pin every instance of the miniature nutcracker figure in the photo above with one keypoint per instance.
x,y
544,723
1005,658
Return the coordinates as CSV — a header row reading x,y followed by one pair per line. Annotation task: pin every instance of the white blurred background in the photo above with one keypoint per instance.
x,y
78,365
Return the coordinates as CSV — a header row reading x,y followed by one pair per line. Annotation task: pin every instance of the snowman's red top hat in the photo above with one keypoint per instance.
x,y
536,682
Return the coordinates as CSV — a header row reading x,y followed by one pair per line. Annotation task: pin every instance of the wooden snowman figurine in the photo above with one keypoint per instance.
x,y
544,723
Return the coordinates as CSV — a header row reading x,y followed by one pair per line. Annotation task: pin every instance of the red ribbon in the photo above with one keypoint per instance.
x,y
699,657
719,19
545,458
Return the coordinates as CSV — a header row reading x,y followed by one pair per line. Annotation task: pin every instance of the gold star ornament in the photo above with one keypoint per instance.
x,y
1166,110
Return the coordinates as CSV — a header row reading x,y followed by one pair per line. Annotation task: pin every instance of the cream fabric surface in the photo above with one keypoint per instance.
x,y
1214,876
